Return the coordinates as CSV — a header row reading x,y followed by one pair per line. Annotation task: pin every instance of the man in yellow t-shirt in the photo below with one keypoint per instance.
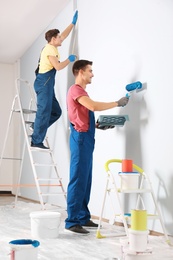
x,y
48,108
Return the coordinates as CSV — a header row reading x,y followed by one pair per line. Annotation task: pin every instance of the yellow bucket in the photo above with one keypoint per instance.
x,y
138,220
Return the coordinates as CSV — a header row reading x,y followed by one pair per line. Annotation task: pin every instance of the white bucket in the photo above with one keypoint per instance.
x,y
129,180
45,224
128,254
138,240
24,249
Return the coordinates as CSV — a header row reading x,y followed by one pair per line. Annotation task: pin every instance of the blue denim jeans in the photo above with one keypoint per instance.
x,y
48,108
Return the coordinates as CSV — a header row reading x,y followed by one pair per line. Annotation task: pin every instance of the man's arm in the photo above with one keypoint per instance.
x,y
95,105
61,65
58,65
67,31
100,106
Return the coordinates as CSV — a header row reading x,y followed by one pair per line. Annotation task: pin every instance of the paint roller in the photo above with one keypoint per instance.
x,y
133,86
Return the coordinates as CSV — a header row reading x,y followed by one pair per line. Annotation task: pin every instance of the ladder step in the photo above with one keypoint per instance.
x,y
30,185
10,158
48,179
50,185
128,216
45,164
150,216
29,122
25,111
135,191
53,194
37,149
28,111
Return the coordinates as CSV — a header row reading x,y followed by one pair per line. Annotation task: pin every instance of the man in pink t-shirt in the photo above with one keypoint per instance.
x,y
82,140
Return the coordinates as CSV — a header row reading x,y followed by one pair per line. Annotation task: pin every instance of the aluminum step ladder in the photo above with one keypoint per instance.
x,y
145,187
40,159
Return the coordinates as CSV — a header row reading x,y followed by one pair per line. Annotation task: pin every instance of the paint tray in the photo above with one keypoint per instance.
x,y
110,121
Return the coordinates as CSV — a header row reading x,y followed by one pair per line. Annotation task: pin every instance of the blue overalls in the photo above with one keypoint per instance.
x,y
48,108
79,187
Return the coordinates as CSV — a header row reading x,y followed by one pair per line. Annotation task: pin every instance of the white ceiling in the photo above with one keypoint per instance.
x,y
21,22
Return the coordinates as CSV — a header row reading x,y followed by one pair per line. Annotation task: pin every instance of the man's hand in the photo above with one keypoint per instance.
x,y
103,127
72,57
122,101
75,17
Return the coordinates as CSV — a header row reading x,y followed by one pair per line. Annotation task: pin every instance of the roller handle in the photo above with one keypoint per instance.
x,y
127,95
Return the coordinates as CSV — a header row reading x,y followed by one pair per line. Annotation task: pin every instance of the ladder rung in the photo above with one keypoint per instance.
x,y
48,179
30,185
50,185
25,111
150,216
10,158
28,122
53,194
128,217
135,191
28,111
45,164
36,149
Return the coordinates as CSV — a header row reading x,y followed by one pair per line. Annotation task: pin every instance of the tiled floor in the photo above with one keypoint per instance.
x,y
15,224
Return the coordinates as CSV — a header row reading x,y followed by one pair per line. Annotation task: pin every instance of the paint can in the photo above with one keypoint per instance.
x,y
127,165
45,224
138,220
128,254
138,240
129,180
24,249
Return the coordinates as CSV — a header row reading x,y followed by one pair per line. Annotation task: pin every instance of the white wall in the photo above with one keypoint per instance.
x,y
8,73
127,41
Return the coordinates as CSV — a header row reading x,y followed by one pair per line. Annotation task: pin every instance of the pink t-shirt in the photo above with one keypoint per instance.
x,y
78,114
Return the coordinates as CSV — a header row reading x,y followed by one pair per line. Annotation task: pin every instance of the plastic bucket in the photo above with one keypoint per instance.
x,y
24,249
45,224
138,220
129,180
127,165
138,240
128,254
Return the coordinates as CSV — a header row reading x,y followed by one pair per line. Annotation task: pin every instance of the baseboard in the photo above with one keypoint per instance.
x,y
4,192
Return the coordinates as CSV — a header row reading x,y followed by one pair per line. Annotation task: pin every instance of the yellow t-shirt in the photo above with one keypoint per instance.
x,y
44,64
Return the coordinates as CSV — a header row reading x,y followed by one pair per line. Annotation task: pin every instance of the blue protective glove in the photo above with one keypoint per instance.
x,y
75,18
72,57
